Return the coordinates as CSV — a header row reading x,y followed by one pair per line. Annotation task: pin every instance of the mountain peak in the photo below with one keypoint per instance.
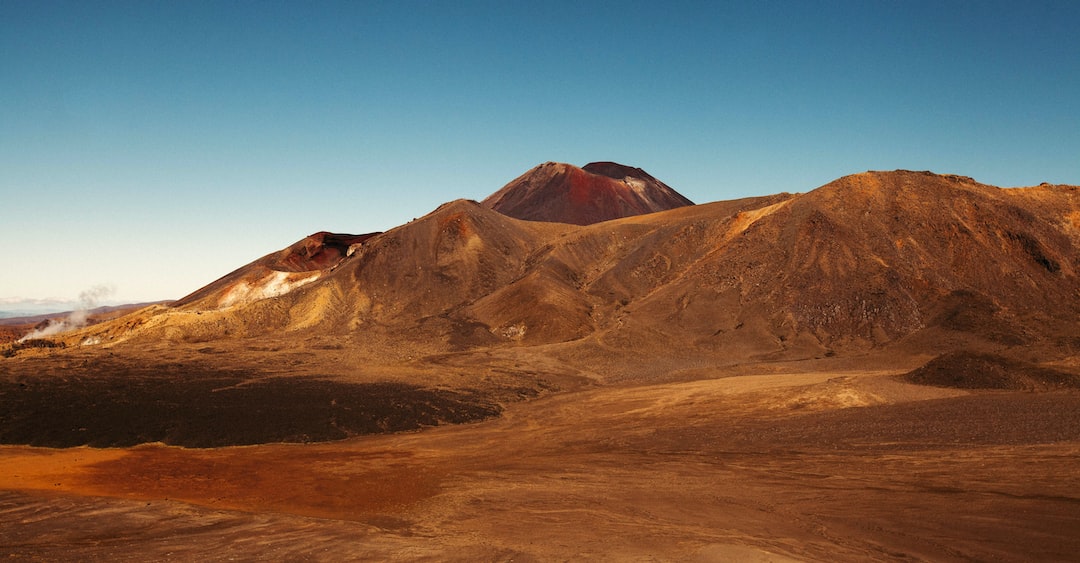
x,y
616,170
599,191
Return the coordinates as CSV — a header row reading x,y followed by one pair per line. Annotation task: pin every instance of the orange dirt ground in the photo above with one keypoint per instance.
x,y
815,466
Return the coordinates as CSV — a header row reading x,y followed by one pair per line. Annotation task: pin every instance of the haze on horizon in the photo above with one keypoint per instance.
x,y
155,147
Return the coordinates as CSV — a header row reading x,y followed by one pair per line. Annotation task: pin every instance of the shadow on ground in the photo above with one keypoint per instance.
x,y
202,408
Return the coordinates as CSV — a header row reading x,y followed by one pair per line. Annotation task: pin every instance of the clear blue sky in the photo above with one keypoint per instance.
x,y
155,146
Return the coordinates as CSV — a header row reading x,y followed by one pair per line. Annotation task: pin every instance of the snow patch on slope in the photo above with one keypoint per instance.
x,y
272,285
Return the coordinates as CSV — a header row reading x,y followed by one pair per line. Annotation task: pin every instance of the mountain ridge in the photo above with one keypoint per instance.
x,y
868,260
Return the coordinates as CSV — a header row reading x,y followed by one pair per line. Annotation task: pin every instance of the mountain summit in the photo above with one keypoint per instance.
x,y
600,191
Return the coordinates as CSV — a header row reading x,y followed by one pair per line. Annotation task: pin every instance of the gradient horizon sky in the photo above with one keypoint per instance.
x,y
153,147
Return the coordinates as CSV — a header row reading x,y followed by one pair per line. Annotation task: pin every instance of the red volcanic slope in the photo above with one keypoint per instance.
x,y
321,251
600,191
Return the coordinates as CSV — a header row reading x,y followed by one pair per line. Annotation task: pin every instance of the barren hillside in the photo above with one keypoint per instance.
x,y
870,260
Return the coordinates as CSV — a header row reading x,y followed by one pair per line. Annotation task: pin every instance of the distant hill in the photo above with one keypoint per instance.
x,y
11,307
18,318
15,327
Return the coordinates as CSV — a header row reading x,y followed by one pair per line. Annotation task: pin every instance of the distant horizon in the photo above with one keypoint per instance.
x,y
15,307
154,148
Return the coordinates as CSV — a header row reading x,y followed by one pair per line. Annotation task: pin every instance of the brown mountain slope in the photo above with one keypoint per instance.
x,y
422,274
868,260
401,288
600,191
875,257
277,272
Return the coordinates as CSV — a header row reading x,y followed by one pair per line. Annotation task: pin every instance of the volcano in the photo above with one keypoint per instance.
x,y
867,261
599,191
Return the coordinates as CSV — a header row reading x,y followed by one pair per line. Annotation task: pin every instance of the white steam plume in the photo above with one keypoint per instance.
x,y
88,300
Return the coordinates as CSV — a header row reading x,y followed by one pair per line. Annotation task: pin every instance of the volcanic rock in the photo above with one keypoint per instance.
x,y
600,191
